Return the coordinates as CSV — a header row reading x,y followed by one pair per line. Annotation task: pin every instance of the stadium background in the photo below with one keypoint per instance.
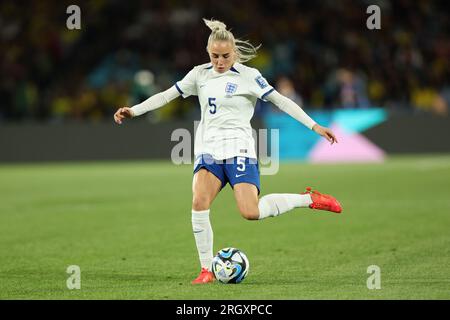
x,y
387,92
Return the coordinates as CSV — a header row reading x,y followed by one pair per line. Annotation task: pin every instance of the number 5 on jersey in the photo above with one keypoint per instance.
x,y
212,105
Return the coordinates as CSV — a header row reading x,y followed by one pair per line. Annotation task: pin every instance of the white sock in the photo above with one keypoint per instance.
x,y
203,237
274,204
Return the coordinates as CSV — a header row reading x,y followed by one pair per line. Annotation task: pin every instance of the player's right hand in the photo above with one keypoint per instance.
x,y
123,113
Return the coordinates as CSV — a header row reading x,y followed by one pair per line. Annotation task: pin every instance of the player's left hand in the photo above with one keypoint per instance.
x,y
325,132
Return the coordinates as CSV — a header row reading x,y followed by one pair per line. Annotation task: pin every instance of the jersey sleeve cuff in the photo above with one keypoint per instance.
x,y
179,90
264,96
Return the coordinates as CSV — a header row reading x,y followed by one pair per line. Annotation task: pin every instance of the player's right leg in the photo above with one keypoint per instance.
x,y
205,188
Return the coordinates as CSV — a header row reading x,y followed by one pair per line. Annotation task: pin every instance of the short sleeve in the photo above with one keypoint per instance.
x,y
259,87
188,85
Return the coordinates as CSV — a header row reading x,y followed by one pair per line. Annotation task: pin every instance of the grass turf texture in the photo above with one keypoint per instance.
x,y
128,226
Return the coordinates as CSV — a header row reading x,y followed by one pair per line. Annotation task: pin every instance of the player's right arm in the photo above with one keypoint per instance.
x,y
154,102
186,87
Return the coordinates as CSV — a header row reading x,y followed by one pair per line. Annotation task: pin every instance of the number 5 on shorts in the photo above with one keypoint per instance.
x,y
241,164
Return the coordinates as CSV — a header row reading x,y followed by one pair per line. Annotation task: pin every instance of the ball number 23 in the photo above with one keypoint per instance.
x,y
212,105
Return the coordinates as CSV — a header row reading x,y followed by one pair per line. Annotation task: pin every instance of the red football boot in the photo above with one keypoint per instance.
x,y
205,276
323,201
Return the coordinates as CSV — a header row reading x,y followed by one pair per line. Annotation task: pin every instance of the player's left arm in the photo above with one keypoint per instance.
x,y
294,110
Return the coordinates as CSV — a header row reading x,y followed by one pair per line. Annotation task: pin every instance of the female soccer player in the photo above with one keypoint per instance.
x,y
224,146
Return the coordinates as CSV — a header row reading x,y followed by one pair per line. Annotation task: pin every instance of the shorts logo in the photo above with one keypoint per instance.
x,y
262,83
230,88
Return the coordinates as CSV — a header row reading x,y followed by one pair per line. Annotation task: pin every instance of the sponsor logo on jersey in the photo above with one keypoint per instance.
x,y
262,83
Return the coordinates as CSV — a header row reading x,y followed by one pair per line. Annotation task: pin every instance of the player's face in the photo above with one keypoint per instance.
x,y
222,55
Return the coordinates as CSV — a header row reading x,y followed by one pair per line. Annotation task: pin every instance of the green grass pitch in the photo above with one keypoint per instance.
x,y
127,225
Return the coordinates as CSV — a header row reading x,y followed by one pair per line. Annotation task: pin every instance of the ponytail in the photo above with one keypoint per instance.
x,y
245,51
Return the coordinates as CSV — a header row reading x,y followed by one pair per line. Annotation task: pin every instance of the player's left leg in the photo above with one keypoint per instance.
x,y
246,196
244,178
272,205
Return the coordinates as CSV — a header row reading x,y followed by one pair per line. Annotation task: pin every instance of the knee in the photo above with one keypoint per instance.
x,y
200,203
249,213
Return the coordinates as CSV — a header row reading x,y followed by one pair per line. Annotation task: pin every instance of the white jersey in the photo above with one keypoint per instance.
x,y
227,102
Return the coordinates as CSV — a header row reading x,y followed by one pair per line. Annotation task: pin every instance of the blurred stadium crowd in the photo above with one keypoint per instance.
x,y
317,52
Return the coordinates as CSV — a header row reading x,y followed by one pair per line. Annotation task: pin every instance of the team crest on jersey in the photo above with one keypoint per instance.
x,y
230,88
262,83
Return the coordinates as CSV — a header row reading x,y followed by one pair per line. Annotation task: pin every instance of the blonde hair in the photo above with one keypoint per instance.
x,y
245,51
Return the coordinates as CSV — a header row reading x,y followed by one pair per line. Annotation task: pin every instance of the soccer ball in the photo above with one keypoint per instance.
x,y
230,265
